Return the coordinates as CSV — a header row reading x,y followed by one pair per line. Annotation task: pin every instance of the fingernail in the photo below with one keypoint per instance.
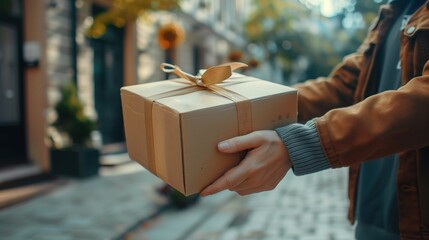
x,y
223,145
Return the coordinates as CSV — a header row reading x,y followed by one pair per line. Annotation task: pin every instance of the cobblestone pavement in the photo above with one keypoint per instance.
x,y
97,208
107,207
310,207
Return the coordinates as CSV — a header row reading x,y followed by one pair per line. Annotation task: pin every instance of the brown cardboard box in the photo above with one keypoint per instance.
x,y
188,122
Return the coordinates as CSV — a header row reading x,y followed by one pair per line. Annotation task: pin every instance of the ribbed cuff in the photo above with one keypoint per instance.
x,y
303,145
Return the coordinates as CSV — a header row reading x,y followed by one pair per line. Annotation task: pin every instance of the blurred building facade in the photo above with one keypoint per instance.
x,y
43,45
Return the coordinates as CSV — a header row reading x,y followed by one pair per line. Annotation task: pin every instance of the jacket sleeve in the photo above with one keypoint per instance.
x,y
317,97
383,124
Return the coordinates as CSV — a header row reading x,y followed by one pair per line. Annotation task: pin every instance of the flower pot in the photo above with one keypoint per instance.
x,y
77,162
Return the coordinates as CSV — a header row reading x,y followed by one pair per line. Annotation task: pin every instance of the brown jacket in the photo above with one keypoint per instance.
x,y
357,125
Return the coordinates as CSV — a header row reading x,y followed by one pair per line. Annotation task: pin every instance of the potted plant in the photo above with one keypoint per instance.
x,y
76,158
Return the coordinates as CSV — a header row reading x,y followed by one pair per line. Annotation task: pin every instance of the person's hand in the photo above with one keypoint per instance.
x,y
265,164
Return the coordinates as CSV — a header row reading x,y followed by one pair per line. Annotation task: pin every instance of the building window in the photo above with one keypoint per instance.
x,y
10,7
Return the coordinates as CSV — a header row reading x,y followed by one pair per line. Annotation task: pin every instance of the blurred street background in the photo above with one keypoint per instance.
x,y
64,168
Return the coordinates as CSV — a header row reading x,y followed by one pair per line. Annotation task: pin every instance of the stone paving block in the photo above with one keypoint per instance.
x,y
174,225
74,222
307,217
7,232
230,234
251,234
273,231
274,238
52,237
289,222
23,233
343,234
311,238
255,224
290,236
324,228
214,227
88,234
293,230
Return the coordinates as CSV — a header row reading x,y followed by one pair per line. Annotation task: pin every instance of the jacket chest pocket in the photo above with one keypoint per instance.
x,y
416,36
421,51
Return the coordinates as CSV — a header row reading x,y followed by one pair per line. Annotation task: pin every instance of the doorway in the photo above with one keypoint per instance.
x,y
12,123
108,79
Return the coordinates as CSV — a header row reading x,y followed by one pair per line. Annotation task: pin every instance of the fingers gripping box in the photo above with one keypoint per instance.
x,y
173,127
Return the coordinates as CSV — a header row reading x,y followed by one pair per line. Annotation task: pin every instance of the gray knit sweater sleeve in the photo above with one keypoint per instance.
x,y
303,144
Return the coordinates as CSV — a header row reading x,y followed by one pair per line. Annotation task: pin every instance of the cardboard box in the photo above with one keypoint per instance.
x,y
186,122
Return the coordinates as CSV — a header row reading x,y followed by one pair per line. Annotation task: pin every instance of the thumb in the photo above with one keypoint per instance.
x,y
240,143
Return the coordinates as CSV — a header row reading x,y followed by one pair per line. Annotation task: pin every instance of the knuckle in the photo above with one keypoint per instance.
x,y
229,183
252,171
257,134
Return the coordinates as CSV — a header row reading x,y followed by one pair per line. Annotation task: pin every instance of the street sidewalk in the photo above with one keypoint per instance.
x,y
102,207
126,206
312,207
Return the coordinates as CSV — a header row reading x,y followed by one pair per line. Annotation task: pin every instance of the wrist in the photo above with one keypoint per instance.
x,y
303,147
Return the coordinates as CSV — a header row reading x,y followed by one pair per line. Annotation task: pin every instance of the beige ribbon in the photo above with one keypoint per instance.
x,y
205,81
211,76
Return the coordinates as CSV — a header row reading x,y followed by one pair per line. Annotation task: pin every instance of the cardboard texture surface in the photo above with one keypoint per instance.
x,y
188,125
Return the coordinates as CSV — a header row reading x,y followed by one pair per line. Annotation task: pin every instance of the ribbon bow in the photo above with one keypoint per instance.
x,y
211,76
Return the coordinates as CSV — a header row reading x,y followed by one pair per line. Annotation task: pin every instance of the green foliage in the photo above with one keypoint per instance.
x,y
70,116
288,30
123,11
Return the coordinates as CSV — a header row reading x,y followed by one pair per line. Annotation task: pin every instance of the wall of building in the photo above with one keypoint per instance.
x,y
85,58
59,56
213,27
36,83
